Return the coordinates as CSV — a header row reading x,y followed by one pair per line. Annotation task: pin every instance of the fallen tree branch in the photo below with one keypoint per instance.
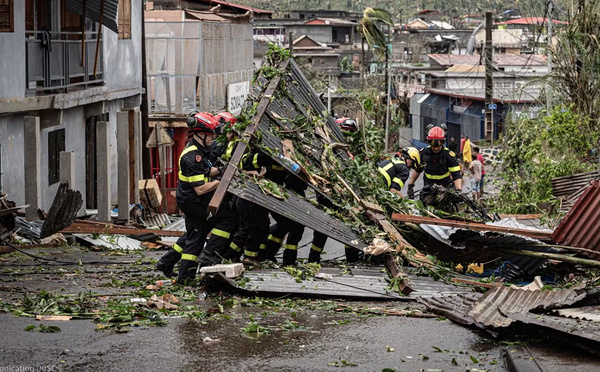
x,y
551,256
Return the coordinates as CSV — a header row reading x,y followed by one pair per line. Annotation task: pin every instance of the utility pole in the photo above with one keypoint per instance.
x,y
489,80
549,51
388,77
329,92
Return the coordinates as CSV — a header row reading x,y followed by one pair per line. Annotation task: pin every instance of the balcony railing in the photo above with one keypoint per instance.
x,y
55,62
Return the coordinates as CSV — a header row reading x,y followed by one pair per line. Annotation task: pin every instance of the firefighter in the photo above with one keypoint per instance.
x,y
395,171
439,164
168,261
195,189
285,226
226,122
251,237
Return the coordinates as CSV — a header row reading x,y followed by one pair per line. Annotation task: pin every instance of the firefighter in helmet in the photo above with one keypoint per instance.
x,y
395,171
439,164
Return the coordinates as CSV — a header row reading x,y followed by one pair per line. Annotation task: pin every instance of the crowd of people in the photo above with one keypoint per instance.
x,y
242,230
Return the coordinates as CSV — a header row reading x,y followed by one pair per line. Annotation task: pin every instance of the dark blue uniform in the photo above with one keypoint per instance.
x,y
441,168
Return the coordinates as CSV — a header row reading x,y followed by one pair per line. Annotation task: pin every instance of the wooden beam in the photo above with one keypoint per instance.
x,y
409,252
231,169
474,226
77,228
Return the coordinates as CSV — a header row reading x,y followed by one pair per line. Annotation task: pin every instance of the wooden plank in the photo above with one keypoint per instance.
x,y
410,253
521,216
394,268
231,169
112,229
474,226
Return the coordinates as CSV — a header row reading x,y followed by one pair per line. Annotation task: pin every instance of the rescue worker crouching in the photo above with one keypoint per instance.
x,y
396,171
439,164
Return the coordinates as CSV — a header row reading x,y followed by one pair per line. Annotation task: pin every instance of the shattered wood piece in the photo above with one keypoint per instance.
x,y
409,252
113,229
221,190
371,206
63,211
474,226
472,282
61,318
396,272
288,149
323,133
231,270
8,249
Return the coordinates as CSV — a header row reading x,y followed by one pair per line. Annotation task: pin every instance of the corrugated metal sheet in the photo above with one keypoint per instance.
x,y
585,313
565,186
28,229
453,307
299,210
581,226
570,188
159,220
460,238
362,283
496,305
92,11
571,327
177,225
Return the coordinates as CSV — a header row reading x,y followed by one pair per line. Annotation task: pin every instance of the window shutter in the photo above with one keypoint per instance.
x,y
6,16
124,19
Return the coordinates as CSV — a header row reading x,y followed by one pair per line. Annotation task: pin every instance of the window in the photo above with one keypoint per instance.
x,y
7,19
56,144
124,19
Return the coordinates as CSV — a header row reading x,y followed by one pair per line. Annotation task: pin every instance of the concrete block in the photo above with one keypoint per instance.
x,y
231,270
67,168
33,166
103,168
123,165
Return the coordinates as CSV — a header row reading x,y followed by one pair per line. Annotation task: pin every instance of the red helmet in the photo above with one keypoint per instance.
x,y
202,122
436,133
226,117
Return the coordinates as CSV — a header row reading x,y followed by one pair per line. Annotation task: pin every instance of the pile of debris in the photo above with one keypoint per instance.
x,y
425,250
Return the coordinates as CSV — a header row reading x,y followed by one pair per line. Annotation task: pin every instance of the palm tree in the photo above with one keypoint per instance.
x,y
370,30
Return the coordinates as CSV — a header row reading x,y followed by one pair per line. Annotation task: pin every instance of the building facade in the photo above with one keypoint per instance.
x,y
70,85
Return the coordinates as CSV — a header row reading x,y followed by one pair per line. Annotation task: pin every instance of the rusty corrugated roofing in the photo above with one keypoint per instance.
x,y
581,226
496,305
583,313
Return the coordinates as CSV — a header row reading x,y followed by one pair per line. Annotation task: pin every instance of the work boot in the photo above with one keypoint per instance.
x,y
314,256
166,269
187,271
289,257
249,261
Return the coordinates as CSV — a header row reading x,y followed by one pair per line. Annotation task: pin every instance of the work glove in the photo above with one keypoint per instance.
x,y
411,190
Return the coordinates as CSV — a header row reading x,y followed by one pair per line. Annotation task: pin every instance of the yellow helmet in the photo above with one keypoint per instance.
x,y
413,154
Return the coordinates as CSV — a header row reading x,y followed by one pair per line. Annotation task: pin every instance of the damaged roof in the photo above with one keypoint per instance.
x,y
580,227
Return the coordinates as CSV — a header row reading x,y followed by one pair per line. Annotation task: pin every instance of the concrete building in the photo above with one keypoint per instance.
x,y
196,61
69,99
452,91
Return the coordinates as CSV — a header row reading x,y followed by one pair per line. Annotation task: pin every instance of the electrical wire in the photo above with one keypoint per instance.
x,y
60,262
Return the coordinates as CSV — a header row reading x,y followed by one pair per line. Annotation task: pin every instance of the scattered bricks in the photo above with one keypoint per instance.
x,y
231,270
